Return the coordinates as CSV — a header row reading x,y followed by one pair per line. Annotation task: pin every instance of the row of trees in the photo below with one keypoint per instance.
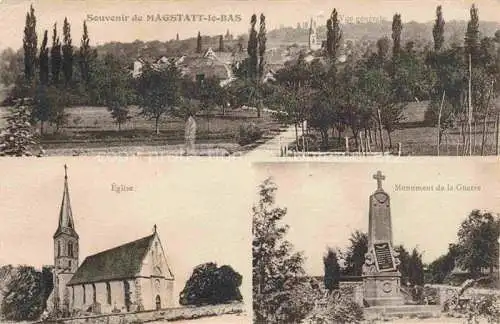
x,y
476,249
368,95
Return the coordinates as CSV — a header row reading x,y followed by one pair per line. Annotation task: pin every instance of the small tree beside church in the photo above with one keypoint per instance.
x,y
211,285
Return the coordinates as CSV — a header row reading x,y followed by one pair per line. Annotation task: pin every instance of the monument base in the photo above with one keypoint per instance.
x,y
383,289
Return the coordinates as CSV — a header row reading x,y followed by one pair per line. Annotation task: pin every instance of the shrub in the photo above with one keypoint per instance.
x,y
331,310
211,285
249,133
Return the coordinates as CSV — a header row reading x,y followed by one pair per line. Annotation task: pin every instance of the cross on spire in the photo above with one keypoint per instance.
x,y
65,171
154,228
379,177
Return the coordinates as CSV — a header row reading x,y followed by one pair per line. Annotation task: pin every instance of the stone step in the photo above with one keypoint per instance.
x,y
419,311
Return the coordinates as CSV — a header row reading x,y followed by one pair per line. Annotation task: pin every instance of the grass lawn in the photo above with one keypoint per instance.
x,y
415,140
93,127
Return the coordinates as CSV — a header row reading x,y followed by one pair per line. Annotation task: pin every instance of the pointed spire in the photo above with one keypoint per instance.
x,y
66,223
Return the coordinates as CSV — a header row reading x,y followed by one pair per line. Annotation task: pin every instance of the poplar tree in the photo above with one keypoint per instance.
x,y
333,35
262,38
221,43
30,45
397,27
67,50
252,48
472,36
55,56
44,60
198,43
332,270
438,30
85,55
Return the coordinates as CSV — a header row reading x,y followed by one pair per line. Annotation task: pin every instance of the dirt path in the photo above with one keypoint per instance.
x,y
271,147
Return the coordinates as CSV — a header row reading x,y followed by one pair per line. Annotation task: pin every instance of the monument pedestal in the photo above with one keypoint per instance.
x,y
382,289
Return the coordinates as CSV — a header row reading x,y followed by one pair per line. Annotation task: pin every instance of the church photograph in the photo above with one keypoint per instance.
x,y
147,240
368,242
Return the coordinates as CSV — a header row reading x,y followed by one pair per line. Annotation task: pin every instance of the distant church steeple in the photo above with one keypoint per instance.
x,y
65,237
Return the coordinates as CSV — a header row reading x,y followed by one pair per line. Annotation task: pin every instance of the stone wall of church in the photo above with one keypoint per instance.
x,y
153,287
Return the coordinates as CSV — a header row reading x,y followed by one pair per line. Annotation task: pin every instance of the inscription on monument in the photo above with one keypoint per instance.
x,y
383,256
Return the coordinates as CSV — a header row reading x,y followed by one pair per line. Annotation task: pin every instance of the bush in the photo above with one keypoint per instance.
x,y
249,133
211,285
331,310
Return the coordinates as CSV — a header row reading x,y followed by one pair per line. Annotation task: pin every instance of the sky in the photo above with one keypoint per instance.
x,y
202,212
278,12
326,202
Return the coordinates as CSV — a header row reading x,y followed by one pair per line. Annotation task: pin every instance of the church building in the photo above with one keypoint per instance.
x,y
131,277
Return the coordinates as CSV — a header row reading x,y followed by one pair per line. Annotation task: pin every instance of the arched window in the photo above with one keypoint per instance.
x,y
84,295
70,249
108,293
72,295
58,248
158,302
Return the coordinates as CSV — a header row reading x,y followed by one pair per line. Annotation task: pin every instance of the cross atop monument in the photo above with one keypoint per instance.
x,y
379,177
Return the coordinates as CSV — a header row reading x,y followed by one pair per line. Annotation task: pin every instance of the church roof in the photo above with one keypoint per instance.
x,y
121,262
66,224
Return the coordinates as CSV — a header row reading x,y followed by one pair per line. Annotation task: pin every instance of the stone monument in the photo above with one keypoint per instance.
x,y
381,278
190,134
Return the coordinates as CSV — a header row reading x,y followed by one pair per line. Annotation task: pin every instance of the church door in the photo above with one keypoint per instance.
x,y
158,302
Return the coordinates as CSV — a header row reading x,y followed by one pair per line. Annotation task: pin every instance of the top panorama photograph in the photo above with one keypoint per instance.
x,y
256,79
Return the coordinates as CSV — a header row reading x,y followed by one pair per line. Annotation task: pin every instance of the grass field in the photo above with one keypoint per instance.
x,y
91,128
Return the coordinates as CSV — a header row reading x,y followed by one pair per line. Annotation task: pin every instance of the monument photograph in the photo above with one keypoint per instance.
x,y
240,78
108,241
368,242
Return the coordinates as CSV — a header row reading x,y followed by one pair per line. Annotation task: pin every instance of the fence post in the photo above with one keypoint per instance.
x,y
347,145
399,149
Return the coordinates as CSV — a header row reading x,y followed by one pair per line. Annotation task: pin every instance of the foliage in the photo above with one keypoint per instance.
x,y
261,40
23,298
249,133
355,256
277,269
416,268
342,310
397,27
477,242
30,43
472,36
198,43
442,267
55,56
85,56
158,91
67,51
115,89
332,270
252,49
333,35
43,60
211,285
438,29
17,138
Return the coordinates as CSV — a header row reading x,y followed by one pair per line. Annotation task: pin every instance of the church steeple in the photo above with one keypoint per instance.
x,y
66,223
65,237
